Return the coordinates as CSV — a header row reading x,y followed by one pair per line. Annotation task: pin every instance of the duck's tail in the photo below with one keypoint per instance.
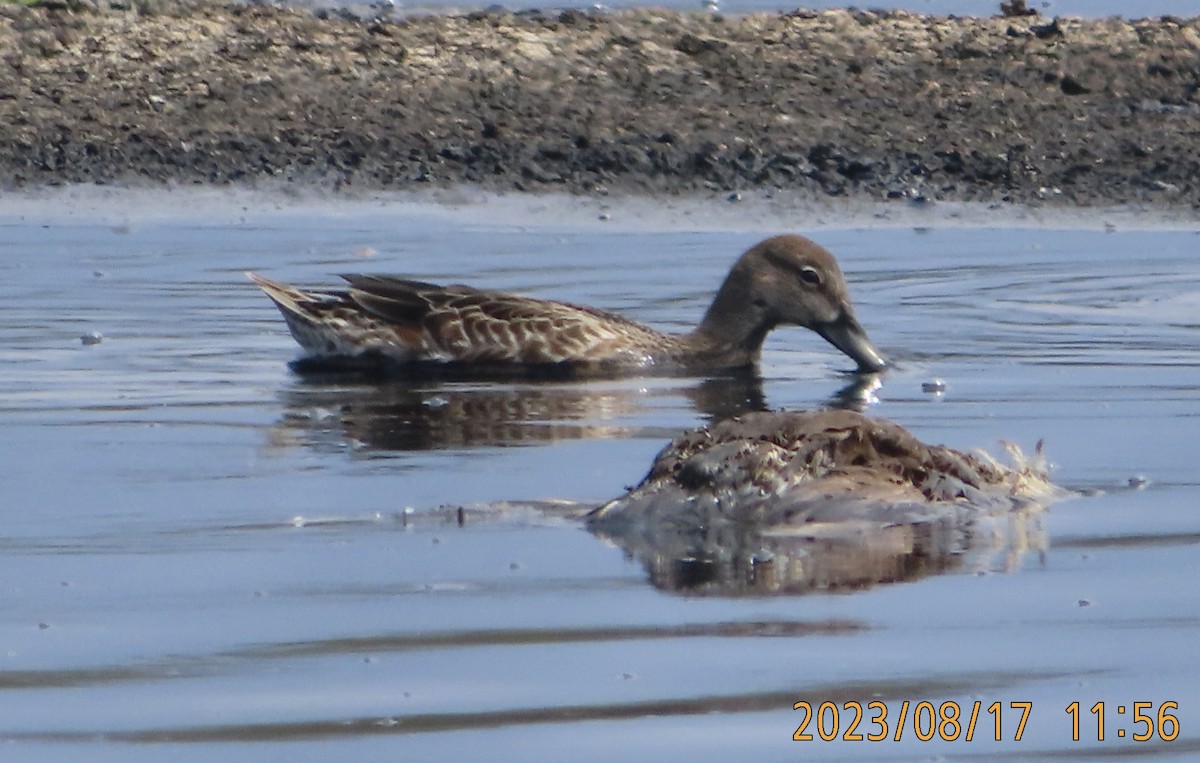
x,y
289,299
330,325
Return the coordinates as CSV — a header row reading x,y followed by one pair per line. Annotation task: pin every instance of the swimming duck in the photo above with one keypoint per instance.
x,y
384,321
785,472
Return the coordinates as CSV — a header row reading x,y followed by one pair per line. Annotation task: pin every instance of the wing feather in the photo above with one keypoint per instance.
x,y
490,326
462,324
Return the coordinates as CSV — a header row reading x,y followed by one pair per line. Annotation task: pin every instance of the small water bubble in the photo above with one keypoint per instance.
x,y
762,556
934,386
917,198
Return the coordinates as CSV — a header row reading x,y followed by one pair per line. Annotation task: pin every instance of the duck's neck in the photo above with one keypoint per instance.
x,y
734,325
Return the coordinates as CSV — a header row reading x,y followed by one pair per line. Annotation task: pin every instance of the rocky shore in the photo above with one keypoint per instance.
x,y
852,104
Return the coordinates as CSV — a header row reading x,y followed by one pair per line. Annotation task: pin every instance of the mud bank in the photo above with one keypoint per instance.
x,y
837,103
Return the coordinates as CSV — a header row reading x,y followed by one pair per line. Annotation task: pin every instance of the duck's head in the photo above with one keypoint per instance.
x,y
790,280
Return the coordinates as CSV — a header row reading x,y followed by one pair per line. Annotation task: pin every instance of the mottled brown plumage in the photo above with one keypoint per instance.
x,y
790,502
782,470
786,280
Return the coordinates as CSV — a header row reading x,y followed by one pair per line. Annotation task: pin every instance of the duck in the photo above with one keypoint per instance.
x,y
786,472
789,502
391,322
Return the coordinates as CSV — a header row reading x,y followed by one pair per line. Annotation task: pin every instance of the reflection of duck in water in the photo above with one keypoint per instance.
x,y
429,415
786,502
384,321
384,415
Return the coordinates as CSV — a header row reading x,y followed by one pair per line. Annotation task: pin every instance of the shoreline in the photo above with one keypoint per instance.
x,y
125,207
832,104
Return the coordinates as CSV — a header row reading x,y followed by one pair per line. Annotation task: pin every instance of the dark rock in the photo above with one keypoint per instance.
x,y
1047,31
694,46
534,171
1072,86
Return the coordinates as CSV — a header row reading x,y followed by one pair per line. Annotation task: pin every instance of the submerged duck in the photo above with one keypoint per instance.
x,y
793,472
385,321
786,503
770,503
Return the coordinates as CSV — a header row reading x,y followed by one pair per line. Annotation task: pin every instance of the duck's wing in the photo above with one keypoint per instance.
x,y
462,324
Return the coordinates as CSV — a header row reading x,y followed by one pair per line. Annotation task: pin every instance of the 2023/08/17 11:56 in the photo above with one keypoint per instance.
x,y
949,721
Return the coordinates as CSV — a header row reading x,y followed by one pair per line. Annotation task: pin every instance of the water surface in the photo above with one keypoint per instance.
x,y
206,555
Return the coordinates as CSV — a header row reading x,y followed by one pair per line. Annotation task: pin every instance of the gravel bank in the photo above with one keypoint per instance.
x,y
838,103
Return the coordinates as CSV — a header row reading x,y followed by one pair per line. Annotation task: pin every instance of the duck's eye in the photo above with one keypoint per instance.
x,y
810,275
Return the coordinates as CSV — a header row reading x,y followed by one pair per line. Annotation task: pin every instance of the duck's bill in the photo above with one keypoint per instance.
x,y
848,336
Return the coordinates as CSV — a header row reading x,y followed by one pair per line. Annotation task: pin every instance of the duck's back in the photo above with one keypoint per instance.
x,y
466,325
401,321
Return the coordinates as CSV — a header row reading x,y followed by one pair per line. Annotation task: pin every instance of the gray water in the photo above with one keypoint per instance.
x,y
206,556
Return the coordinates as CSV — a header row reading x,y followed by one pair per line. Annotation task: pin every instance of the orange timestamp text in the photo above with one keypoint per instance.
x,y
953,721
